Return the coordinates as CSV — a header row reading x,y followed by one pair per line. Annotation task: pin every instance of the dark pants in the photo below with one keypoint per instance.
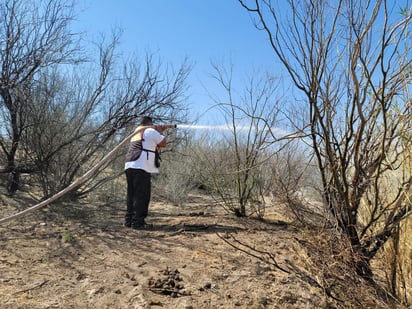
x,y
138,196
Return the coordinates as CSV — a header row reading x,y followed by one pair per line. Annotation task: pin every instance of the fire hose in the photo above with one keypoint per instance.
x,y
78,182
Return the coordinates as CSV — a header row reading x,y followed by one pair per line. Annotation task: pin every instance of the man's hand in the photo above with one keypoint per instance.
x,y
161,127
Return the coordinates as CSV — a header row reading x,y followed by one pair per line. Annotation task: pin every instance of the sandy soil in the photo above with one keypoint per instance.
x,y
87,259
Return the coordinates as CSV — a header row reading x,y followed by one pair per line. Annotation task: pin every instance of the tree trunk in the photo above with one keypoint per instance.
x,y
14,182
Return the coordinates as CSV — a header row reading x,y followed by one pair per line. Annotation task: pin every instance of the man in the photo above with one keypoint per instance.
x,y
140,164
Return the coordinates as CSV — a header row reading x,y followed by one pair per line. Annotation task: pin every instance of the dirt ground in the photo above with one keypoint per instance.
x,y
87,259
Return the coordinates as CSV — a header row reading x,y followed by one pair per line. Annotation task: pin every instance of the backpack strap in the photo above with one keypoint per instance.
x,y
135,148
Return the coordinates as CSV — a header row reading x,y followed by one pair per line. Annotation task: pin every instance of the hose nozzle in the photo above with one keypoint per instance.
x,y
163,127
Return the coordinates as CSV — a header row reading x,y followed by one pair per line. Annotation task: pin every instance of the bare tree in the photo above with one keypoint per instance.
x,y
234,168
63,116
352,62
33,36
80,116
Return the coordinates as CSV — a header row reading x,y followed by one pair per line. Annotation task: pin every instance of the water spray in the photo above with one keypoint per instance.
x,y
185,126
202,127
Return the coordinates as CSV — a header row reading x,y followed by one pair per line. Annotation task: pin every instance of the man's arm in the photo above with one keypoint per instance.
x,y
162,144
160,128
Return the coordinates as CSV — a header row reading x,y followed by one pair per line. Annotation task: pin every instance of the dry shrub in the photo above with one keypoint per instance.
x,y
394,263
326,260
214,163
292,180
176,178
321,270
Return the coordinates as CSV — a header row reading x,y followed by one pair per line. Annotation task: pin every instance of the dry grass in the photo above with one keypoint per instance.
x,y
394,264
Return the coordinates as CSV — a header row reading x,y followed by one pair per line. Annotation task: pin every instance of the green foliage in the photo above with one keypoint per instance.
x,y
67,237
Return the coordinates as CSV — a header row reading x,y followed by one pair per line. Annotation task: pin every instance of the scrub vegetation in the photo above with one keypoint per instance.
x,y
303,201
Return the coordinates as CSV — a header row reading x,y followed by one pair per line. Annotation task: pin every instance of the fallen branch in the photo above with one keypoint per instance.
x,y
263,256
76,183
37,286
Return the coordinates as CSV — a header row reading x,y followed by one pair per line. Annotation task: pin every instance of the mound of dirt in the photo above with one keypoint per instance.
x,y
197,256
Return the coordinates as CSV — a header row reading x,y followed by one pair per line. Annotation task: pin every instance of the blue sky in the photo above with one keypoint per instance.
x,y
204,31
